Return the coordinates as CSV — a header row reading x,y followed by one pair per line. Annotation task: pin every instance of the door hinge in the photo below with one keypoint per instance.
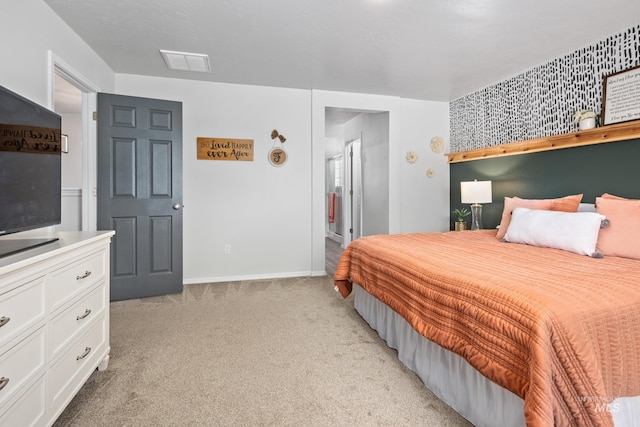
x,y
351,230
95,115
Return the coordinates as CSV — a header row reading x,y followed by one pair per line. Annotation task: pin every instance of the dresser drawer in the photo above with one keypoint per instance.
x,y
77,363
77,318
22,363
20,309
29,410
67,282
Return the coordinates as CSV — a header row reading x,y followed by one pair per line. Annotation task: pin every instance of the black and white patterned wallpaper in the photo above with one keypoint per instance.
x,y
540,102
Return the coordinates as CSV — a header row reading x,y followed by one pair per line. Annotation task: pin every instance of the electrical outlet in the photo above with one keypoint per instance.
x,y
227,249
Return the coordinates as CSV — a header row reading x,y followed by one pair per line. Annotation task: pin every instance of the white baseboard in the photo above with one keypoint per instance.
x,y
218,279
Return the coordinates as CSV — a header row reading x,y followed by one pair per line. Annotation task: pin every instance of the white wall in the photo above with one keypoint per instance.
x,y
424,202
274,218
72,161
31,35
263,212
30,30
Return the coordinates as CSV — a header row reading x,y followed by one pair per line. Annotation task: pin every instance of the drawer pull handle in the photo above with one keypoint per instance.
x,y
4,320
3,382
85,314
86,274
84,354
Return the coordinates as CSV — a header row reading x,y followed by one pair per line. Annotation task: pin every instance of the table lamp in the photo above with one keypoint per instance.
x,y
475,192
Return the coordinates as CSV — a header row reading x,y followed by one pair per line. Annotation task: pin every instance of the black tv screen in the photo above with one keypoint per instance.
x,y
30,164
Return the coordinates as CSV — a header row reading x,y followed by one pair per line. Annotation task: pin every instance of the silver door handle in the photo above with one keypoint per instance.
x,y
4,320
176,206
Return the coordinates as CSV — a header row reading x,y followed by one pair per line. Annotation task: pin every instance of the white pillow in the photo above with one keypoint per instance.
x,y
586,207
570,231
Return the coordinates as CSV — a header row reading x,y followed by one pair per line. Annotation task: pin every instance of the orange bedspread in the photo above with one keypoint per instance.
x,y
560,330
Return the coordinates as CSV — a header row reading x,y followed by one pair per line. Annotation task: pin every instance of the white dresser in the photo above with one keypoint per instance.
x,y
54,317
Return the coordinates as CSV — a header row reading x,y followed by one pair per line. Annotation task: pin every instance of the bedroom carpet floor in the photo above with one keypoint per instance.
x,y
285,352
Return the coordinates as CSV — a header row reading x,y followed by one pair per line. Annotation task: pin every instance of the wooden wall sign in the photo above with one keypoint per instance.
x,y
29,139
225,149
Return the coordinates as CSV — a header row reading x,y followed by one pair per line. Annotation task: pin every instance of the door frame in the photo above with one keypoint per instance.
x,y
348,195
57,65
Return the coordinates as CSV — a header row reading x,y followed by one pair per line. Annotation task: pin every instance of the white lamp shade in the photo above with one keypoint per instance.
x,y
475,192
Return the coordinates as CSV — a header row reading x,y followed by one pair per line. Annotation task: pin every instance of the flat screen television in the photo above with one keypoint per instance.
x,y
30,170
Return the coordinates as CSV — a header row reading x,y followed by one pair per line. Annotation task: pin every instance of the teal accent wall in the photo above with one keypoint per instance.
x,y
592,170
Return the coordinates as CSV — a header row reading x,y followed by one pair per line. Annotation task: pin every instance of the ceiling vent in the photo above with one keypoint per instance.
x,y
183,61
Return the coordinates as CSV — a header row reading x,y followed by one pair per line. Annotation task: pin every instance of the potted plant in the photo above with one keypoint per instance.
x,y
586,119
460,215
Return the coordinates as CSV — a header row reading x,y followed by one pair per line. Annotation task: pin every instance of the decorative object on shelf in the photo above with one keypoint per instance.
x,y
437,144
475,192
460,214
430,173
614,133
225,149
621,96
586,119
277,155
411,157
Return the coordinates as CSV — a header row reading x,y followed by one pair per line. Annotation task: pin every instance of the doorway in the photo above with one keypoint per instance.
x,y
74,97
68,104
361,137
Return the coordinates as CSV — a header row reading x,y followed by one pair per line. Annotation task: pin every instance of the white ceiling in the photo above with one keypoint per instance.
x,y
425,49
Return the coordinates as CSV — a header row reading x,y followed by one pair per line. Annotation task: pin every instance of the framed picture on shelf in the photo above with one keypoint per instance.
x,y
621,96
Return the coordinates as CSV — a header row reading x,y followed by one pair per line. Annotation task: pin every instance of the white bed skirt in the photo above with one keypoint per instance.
x,y
453,380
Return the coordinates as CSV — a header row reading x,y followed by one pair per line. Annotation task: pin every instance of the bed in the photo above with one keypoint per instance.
x,y
505,333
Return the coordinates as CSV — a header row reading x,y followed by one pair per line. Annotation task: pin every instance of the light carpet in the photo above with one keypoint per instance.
x,y
286,352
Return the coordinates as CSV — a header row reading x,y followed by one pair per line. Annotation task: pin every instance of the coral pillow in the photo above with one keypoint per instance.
x,y
611,196
564,204
622,237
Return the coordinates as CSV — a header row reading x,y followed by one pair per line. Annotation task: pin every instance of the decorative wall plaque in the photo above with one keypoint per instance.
x,y
277,156
437,144
225,149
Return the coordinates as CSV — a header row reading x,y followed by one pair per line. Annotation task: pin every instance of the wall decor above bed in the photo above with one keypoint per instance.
x,y
591,170
621,96
613,133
